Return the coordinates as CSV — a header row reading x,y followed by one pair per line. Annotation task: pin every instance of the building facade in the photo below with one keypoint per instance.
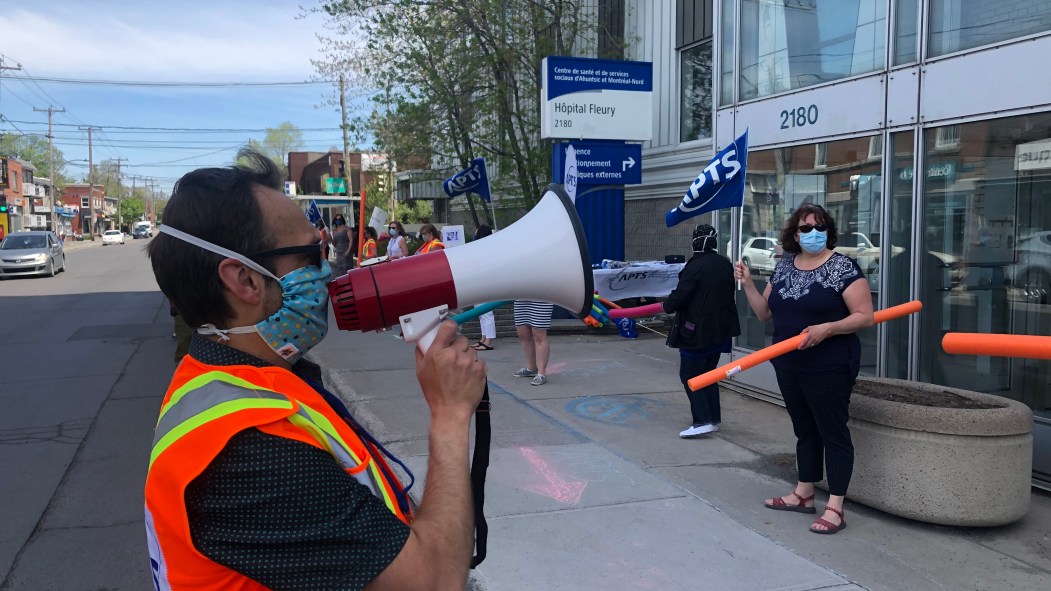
x,y
845,101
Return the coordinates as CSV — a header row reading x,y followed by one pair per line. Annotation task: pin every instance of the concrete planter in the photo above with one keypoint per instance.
x,y
940,463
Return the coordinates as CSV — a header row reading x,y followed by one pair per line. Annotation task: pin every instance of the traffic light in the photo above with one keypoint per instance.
x,y
342,169
3,204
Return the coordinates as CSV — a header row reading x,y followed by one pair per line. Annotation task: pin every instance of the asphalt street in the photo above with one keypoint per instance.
x,y
589,485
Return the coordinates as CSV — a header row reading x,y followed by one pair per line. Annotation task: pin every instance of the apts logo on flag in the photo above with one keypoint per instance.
x,y
720,184
473,178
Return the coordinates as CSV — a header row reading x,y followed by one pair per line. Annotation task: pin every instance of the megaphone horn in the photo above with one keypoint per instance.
x,y
542,257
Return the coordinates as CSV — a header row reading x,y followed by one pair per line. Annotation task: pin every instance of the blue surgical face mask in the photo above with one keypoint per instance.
x,y
392,232
813,241
300,323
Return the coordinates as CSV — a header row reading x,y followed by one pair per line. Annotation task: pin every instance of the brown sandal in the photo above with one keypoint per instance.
x,y
779,504
831,527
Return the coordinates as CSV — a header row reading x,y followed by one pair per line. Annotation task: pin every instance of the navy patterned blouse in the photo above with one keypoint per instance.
x,y
799,299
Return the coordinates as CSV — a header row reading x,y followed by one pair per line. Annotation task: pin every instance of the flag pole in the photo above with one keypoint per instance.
x,y
740,239
492,207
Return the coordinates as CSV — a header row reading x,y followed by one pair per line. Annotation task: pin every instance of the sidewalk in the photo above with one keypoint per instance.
x,y
590,487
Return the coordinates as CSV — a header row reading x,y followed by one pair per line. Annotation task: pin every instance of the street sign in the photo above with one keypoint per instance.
x,y
335,186
600,163
596,99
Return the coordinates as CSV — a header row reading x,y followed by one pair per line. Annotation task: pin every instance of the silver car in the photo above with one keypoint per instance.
x,y
31,253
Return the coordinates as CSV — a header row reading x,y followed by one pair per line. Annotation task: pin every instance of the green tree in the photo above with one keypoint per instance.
x,y
107,174
278,142
131,209
33,148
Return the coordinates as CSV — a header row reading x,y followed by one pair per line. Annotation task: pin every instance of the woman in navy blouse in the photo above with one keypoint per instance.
x,y
819,292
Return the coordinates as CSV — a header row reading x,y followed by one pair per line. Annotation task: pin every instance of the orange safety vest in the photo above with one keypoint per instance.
x,y
205,406
434,244
368,250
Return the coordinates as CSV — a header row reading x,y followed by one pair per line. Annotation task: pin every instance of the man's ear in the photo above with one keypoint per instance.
x,y
242,283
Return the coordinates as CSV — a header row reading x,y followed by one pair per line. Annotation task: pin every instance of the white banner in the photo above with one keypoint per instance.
x,y
641,280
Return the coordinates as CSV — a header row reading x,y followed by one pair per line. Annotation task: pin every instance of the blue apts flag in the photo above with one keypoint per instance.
x,y
313,213
720,184
474,179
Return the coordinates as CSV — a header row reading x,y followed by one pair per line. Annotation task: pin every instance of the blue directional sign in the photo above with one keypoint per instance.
x,y
601,163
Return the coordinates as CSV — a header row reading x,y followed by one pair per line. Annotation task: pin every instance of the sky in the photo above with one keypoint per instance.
x,y
188,41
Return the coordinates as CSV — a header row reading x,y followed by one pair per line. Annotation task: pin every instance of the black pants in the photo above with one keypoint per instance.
x,y
818,404
704,403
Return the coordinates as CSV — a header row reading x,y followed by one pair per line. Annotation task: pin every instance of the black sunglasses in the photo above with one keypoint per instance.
x,y
313,250
807,228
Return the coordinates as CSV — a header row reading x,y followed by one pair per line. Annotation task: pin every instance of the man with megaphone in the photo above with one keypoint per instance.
x,y
259,477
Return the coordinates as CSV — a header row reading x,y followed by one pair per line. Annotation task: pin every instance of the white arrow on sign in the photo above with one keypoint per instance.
x,y
627,164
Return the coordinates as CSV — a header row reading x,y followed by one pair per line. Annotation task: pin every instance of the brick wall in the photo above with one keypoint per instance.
x,y
646,238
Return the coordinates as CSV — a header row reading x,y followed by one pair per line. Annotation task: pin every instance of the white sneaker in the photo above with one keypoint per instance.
x,y
539,380
696,430
715,427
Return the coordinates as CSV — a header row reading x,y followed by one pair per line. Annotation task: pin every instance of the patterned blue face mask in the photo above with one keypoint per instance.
x,y
300,323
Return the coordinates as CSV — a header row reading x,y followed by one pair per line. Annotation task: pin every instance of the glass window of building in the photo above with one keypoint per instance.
x,y
987,217
695,107
906,29
898,267
693,39
848,186
957,25
790,44
726,52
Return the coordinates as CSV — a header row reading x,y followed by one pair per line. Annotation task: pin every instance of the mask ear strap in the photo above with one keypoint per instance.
x,y
164,229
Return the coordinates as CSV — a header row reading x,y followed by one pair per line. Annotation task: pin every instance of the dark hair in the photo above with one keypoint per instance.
x,y
320,224
339,218
371,232
482,232
401,229
788,233
430,229
217,205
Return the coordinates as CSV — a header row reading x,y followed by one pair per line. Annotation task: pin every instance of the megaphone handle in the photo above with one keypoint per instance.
x,y
421,327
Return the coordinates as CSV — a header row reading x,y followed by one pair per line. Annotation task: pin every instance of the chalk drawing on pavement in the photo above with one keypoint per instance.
x,y
612,410
552,483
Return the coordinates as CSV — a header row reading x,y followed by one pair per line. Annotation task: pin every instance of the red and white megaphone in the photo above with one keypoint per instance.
x,y
542,257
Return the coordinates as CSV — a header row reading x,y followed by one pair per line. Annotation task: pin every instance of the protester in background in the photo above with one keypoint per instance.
x,y
822,293
487,320
397,247
259,477
341,246
705,322
368,250
532,319
431,241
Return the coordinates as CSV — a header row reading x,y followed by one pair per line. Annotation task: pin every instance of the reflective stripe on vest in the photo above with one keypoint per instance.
x,y
216,394
226,394
429,246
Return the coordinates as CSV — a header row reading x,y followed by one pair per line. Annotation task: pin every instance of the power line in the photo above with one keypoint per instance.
x,y
144,83
183,129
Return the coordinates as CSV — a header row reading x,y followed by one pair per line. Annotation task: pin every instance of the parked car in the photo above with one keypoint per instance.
x,y
31,253
1032,272
112,237
140,232
761,253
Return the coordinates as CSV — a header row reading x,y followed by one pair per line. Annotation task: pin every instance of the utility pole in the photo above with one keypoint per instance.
x,y
3,67
346,164
120,194
91,182
50,110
